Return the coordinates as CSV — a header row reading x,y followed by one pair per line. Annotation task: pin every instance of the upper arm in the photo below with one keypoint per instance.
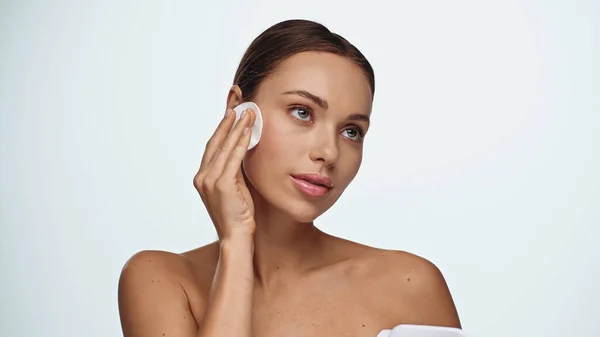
x,y
152,301
427,292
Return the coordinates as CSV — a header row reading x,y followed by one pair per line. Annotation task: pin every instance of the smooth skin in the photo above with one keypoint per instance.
x,y
272,272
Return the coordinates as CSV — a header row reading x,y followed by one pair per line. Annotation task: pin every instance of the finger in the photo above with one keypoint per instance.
x,y
218,137
232,168
222,155
229,141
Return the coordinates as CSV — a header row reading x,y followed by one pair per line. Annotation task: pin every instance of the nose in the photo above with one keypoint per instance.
x,y
325,148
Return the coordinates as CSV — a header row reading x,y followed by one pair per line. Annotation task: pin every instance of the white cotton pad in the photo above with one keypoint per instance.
x,y
258,122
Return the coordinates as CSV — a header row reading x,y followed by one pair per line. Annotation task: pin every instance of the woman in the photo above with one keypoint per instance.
x,y
272,272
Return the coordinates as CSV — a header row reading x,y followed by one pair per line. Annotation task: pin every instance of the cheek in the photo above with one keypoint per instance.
x,y
352,164
272,154
274,140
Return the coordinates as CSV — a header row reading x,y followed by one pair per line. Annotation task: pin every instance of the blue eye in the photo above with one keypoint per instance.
x,y
353,134
301,113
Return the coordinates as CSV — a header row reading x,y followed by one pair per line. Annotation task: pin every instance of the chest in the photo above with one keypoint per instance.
x,y
316,311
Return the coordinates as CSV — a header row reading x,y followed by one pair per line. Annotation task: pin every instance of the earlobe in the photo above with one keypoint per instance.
x,y
234,98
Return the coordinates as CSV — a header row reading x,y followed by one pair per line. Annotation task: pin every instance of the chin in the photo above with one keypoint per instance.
x,y
298,209
284,198
304,213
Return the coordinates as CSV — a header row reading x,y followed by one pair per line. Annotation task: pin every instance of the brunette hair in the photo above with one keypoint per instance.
x,y
286,39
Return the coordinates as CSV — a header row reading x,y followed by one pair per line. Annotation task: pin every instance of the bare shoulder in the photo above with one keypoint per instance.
x,y
163,291
154,262
404,288
418,272
413,288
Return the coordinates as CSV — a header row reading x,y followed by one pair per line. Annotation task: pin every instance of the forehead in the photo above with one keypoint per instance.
x,y
334,78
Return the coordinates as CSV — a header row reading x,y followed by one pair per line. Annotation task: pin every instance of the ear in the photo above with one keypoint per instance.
x,y
234,98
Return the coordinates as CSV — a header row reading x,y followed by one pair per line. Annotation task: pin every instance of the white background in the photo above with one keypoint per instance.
x,y
483,154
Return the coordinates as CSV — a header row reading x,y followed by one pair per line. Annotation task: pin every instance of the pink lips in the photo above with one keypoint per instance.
x,y
314,185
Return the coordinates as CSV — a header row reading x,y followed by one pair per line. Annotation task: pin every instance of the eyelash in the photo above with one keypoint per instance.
x,y
361,133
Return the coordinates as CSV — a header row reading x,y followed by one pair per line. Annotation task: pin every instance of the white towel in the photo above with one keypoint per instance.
x,y
407,330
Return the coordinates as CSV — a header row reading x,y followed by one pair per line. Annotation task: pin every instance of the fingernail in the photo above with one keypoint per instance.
x,y
243,114
227,112
246,130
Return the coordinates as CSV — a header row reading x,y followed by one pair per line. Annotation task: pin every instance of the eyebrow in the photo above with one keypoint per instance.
x,y
322,103
360,117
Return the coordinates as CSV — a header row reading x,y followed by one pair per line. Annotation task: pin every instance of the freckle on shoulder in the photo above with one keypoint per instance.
x,y
402,266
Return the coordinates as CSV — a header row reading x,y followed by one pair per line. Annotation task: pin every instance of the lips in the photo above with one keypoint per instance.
x,y
315,179
314,185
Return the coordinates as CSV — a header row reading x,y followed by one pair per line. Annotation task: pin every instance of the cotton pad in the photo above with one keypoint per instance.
x,y
258,122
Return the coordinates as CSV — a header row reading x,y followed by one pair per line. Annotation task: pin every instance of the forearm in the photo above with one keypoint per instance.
x,y
229,308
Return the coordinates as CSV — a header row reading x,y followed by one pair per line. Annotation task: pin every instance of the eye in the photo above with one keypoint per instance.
x,y
301,113
354,134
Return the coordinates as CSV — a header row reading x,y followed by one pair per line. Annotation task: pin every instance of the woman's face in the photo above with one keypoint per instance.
x,y
316,109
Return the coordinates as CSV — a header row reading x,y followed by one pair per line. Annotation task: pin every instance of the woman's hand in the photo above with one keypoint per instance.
x,y
220,181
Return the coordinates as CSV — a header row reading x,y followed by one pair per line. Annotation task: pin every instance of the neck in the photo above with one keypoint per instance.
x,y
283,247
